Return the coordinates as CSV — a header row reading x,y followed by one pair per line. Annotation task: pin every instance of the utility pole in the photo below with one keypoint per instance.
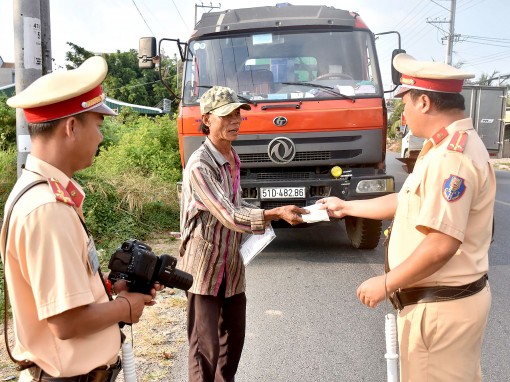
x,y
451,34
32,58
211,7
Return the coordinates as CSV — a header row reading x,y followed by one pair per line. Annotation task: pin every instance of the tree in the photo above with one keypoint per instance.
x,y
76,56
125,81
398,109
494,79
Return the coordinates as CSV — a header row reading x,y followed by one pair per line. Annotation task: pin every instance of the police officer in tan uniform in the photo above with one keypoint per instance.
x,y
442,227
64,322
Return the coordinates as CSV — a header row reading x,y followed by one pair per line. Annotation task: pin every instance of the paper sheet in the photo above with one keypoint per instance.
x,y
315,215
254,244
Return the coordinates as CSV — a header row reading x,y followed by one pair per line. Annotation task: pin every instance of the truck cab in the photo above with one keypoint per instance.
x,y
317,124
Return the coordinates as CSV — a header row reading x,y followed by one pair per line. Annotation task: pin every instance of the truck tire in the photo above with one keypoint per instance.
x,y
363,233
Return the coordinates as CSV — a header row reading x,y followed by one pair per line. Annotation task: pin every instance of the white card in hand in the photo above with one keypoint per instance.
x,y
315,215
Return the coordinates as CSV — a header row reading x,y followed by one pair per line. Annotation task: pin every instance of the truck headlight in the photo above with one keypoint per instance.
x,y
369,186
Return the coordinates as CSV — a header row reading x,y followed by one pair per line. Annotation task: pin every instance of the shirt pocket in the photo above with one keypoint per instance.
x,y
409,200
198,256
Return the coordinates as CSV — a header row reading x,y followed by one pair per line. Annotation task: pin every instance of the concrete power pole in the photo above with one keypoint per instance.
x,y
451,34
211,7
32,57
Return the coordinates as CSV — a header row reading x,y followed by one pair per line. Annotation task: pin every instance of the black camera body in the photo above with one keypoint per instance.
x,y
135,262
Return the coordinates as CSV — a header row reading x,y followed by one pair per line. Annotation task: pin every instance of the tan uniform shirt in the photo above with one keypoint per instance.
x,y
452,192
48,272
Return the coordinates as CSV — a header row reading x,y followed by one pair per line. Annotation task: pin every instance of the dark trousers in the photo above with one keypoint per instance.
x,y
216,328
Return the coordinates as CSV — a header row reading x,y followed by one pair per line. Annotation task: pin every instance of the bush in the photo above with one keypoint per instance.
x,y
8,175
131,191
147,146
8,124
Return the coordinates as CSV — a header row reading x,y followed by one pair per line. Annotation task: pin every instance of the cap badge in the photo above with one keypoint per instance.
x,y
407,81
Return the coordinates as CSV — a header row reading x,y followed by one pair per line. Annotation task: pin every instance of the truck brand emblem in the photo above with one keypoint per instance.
x,y
280,121
281,150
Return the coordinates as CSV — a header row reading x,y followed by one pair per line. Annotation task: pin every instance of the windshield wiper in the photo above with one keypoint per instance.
x,y
328,89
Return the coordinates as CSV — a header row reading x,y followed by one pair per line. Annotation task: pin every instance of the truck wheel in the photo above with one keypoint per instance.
x,y
363,233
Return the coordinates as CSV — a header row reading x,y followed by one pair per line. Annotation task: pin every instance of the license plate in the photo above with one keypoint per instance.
x,y
282,192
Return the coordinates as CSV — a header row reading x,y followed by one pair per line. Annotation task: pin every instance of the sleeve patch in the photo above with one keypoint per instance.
x,y
453,188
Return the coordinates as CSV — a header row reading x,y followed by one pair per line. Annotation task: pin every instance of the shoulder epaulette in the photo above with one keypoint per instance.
x,y
458,141
60,192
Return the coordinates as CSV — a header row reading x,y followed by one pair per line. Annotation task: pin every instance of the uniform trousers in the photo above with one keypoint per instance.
x,y
442,341
216,330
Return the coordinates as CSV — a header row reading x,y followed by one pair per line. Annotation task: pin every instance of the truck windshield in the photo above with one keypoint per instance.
x,y
285,65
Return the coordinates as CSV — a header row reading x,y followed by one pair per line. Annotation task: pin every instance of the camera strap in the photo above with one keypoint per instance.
x,y
23,364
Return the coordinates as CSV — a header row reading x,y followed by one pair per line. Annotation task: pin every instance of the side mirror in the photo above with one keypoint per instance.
x,y
395,74
147,53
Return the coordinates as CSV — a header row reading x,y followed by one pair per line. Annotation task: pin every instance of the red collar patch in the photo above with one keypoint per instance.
x,y
439,136
61,194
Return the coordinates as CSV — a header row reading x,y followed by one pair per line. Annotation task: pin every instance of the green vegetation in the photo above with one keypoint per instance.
x,y
394,120
131,188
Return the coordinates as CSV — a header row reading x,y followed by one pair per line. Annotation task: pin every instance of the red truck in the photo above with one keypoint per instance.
x,y
318,120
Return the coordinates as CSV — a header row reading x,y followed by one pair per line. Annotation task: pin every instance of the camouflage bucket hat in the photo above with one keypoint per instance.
x,y
221,101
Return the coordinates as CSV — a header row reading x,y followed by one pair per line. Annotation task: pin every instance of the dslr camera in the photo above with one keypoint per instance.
x,y
135,262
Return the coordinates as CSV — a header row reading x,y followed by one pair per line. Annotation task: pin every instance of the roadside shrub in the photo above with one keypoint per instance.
x,y
147,146
131,188
8,176
8,124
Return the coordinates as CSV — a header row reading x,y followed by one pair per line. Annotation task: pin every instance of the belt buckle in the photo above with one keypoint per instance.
x,y
395,300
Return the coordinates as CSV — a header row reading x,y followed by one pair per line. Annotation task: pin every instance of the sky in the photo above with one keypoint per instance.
x,y
483,46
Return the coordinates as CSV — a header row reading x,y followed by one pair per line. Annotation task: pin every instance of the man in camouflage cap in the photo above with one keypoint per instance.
x,y
213,219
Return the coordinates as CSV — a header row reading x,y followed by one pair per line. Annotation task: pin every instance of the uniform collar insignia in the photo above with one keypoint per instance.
x,y
61,194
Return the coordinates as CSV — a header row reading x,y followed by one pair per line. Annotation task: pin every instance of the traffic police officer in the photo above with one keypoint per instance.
x,y
64,322
440,236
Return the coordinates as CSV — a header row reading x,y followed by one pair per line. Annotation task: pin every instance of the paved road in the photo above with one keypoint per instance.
x,y
305,323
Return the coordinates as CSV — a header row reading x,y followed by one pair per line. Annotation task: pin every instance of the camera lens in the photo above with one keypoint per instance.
x,y
172,277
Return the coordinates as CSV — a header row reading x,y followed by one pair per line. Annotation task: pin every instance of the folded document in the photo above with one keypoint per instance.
x,y
254,244
315,215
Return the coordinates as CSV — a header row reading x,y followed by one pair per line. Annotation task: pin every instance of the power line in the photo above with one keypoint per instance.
x,y
179,13
143,18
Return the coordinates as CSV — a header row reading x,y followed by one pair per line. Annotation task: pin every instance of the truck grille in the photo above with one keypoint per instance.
x,y
281,176
269,205
300,157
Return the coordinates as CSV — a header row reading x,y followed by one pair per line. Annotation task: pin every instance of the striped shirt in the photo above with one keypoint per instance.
x,y
213,219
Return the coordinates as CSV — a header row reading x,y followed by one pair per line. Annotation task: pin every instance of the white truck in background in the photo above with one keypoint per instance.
x,y
486,106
